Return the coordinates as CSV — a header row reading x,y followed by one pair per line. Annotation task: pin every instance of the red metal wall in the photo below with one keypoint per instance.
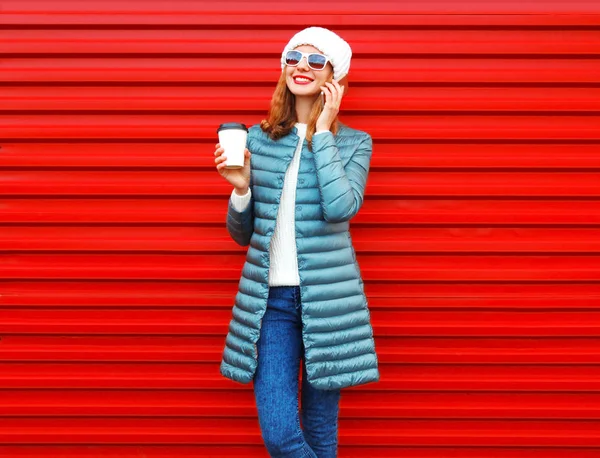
x,y
479,237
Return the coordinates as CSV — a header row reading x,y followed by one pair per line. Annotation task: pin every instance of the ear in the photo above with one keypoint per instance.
x,y
344,82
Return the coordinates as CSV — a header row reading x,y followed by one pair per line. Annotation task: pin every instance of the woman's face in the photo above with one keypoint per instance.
x,y
302,80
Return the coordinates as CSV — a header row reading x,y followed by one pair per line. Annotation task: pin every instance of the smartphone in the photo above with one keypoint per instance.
x,y
323,94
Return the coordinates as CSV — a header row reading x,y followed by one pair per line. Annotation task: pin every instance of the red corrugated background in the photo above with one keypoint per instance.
x,y
478,240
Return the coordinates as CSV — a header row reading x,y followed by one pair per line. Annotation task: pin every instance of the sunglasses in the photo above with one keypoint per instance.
x,y
315,60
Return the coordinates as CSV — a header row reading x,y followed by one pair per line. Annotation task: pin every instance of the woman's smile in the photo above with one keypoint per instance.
x,y
302,80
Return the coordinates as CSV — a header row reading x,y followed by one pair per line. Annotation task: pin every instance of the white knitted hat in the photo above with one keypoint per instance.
x,y
329,43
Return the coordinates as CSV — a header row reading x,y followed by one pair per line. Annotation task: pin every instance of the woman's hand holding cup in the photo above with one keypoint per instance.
x,y
238,178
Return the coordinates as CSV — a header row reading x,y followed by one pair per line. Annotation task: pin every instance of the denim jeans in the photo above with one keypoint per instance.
x,y
280,348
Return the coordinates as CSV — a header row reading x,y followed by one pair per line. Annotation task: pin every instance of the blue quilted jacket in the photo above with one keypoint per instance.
x,y
336,325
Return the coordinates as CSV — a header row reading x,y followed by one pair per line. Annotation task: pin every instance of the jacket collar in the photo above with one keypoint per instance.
x,y
291,139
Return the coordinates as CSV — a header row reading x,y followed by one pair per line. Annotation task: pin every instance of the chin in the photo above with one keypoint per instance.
x,y
303,92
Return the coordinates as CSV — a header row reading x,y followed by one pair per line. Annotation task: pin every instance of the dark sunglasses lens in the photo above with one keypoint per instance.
x,y
293,58
317,61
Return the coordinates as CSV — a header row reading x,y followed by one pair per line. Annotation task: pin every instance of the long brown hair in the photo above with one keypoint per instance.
x,y
282,114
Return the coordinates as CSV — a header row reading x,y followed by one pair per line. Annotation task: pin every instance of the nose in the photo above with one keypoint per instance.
x,y
303,63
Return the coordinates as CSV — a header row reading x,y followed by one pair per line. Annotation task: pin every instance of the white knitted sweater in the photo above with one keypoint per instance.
x,y
283,256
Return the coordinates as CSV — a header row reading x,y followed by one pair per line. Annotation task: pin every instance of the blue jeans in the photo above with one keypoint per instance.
x,y
280,348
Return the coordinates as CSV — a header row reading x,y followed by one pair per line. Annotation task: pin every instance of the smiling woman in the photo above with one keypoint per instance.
x,y
301,295
315,61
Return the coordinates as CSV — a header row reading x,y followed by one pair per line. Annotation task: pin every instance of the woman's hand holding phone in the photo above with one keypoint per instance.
x,y
238,178
333,93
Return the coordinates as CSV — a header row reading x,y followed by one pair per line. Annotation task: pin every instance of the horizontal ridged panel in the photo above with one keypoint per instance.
x,y
405,377
483,267
360,99
389,323
272,13
265,70
409,155
387,240
409,127
385,295
215,403
358,432
68,183
478,240
206,347
385,212
190,450
569,42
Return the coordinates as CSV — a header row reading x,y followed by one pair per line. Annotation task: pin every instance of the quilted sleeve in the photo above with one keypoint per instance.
x,y
341,188
240,224
240,202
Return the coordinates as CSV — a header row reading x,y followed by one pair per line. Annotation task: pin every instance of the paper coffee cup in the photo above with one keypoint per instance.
x,y
232,137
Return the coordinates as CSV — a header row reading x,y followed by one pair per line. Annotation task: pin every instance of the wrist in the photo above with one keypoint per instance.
x,y
241,191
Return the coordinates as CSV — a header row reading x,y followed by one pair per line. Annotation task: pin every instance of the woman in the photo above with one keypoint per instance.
x,y
301,294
